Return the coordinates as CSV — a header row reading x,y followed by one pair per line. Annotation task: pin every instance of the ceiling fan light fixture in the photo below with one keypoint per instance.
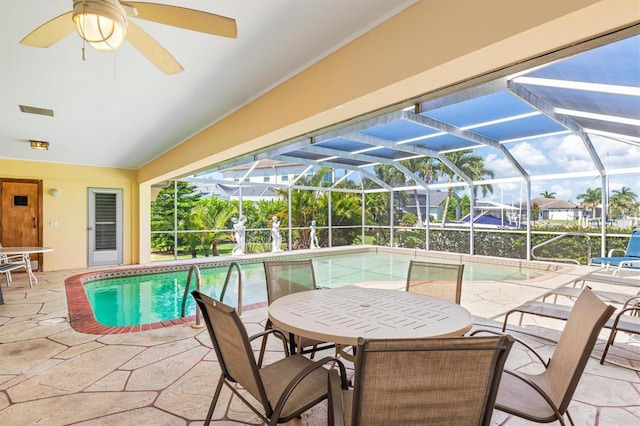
x,y
101,23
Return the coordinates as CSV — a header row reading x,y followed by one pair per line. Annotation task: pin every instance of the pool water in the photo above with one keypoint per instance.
x,y
145,299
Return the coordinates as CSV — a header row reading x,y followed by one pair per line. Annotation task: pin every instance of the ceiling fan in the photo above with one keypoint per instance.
x,y
104,24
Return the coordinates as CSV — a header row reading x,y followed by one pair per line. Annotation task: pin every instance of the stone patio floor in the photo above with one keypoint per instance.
x,y
53,375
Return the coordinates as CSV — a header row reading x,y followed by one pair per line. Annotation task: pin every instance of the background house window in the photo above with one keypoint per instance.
x,y
267,177
284,176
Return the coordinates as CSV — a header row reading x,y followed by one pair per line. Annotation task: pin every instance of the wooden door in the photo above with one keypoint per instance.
x,y
21,215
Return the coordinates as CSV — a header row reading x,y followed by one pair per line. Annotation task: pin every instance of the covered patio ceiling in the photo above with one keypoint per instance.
x,y
593,95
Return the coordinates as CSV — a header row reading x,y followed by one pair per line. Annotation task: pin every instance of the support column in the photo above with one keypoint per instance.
x,y
391,216
363,206
471,224
175,219
528,220
290,238
329,221
427,220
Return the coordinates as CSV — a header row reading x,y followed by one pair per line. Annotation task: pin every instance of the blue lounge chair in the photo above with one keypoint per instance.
x,y
631,256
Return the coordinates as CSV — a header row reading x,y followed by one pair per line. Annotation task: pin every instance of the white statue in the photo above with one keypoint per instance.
x,y
276,238
238,227
313,237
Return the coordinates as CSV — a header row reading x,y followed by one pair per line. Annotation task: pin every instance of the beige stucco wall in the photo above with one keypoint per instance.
x,y
69,208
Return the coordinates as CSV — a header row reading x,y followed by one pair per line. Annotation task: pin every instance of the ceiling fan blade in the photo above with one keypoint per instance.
x,y
50,32
152,50
189,19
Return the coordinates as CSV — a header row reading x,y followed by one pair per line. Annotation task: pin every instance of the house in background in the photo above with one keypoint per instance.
x,y
232,192
552,209
491,214
270,172
437,200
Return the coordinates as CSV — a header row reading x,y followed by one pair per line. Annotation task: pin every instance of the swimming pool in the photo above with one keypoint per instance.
x,y
155,297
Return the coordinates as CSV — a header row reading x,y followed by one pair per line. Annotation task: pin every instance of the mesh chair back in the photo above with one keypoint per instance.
x,y
232,346
588,316
288,276
441,280
428,381
633,248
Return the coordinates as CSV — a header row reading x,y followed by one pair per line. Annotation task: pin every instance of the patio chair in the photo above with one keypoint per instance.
x,y
435,381
283,389
10,263
442,280
544,397
630,257
286,277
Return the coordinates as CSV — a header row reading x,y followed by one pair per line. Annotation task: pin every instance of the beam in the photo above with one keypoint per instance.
x,y
538,103
333,166
468,135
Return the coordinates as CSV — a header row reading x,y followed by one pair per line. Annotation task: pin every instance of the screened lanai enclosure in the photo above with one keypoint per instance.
x,y
563,127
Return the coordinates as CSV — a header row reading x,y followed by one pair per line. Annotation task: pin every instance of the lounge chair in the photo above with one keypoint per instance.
x,y
283,389
286,277
626,320
631,257
420,381
544,397
442,280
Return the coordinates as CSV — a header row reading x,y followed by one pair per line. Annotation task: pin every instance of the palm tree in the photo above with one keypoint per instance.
x,y
393,177
547,194
425,168
304,202
623,200
213,215
470,164
162,213
591,198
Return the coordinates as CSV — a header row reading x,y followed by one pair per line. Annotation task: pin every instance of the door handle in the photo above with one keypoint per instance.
x,y
35,222
90,228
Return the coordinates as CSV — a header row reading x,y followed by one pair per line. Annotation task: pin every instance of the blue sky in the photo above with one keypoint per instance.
x,y
563,154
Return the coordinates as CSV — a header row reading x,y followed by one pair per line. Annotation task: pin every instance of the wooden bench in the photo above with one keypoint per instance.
x,y
626,320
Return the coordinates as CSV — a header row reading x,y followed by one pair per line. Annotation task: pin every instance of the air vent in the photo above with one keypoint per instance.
x,y
35,110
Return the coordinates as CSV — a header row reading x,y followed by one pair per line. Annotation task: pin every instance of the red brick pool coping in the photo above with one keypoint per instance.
x,y
81,314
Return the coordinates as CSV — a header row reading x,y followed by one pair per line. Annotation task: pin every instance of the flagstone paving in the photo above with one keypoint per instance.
x,y
53,375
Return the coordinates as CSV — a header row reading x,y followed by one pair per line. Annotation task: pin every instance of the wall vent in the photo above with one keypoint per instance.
x,y
36,110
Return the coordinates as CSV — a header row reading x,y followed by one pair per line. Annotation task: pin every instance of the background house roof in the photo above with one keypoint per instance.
x,y
551,203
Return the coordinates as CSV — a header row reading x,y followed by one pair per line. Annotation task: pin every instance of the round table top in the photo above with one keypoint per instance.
x,y
343,314
23,250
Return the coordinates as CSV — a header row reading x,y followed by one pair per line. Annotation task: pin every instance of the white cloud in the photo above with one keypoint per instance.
x,y
500,166
527,155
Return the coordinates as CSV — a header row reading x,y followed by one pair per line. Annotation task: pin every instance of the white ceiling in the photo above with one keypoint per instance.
x,y
121,111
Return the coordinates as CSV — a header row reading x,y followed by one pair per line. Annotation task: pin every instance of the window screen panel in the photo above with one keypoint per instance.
x,y
106,221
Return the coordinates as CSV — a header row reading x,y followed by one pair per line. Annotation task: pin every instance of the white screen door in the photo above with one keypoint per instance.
x,y
105,226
